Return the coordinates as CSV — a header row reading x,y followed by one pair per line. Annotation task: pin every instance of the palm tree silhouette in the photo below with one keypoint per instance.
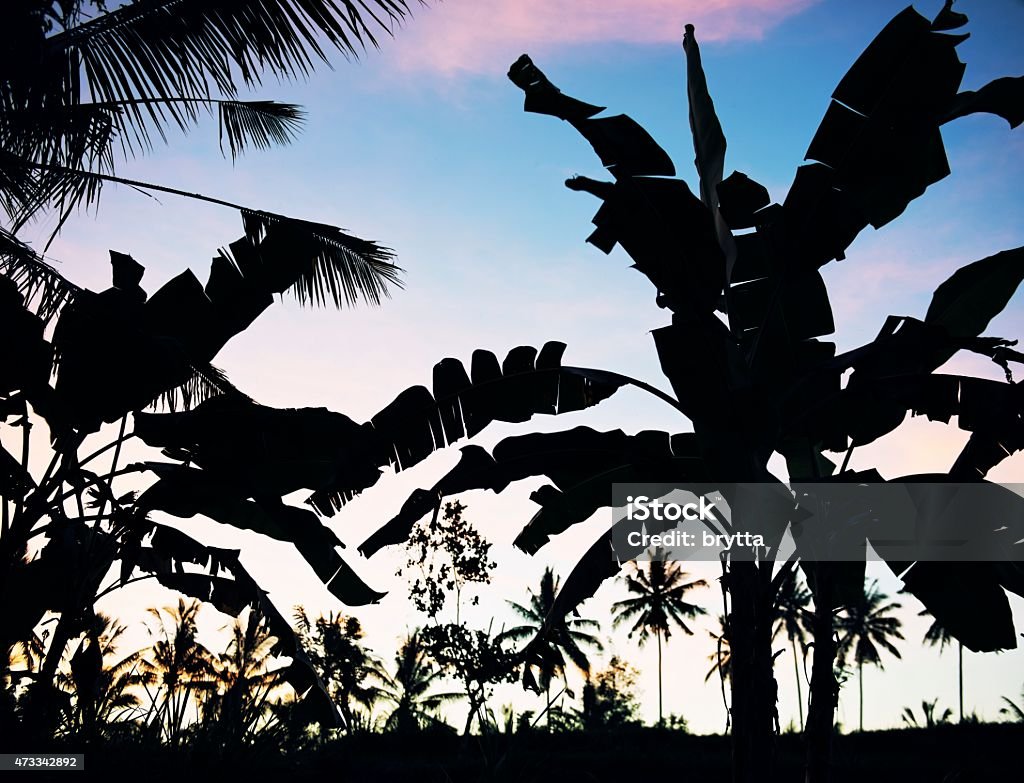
x,y
659,603
1013,710
409,689
184,670
106,82
334,645
930,715
244,681
937,635
721,662
793,619
103,688
568,640
864,627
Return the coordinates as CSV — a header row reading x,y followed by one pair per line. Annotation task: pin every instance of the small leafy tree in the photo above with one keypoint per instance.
x,y
609,698
446,558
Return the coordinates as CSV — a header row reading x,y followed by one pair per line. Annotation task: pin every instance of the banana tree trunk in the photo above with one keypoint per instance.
x,y
824,693
754,692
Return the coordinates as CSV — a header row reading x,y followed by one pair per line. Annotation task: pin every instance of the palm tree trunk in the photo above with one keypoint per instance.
x,y
547,699
799,695
860,680
961,645
661,717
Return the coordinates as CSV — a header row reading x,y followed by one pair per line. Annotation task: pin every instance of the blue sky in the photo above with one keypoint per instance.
x,y
425,147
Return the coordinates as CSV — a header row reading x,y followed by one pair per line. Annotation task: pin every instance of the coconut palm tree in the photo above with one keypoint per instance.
x,y
245,679
184,671
864,627
930,715
793,619
334,646
721,662
1013,710
659,603
937,635
81,83
410,690
567,641
105,687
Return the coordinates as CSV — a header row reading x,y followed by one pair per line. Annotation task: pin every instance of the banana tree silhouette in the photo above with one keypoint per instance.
x,y
792,617
769,384
568,641
938,636
81,84
119,351
657,604
865,626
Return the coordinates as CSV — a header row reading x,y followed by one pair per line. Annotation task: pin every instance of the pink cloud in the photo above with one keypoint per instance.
x,y
480,35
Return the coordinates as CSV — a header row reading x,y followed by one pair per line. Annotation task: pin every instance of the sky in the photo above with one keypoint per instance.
x,y
424,146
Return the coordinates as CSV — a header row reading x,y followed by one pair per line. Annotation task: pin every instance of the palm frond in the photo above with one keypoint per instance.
x,y
77,136
260,124
205,382
45,290
151,64
344,268
60,188
1013,710
518,634
533,613
154,49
